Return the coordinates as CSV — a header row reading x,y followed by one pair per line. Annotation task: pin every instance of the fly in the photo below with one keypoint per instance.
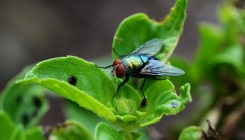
x,y
141,63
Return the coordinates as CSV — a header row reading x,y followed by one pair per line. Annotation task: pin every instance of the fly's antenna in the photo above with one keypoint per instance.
x,y
104,67
117,53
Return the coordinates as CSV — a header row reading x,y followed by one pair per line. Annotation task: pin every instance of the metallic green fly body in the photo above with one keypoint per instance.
x,y
141,63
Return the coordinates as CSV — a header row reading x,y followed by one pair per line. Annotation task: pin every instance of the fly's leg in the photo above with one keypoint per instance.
x,y
124,81
142,88
143,103
103,67
117,53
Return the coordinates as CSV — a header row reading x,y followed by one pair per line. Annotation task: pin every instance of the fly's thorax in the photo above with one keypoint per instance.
x,y
133,62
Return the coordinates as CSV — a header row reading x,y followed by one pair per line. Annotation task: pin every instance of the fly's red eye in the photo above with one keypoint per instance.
x,y
120,71
116,62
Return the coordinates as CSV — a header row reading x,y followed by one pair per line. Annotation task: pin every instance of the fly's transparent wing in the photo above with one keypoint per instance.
x,y
155,67
150,48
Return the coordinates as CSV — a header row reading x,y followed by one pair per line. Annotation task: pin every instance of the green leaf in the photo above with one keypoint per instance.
x,y
238,18
84,116
191,133
18,133
90,120
106,132
127,118
145,135
229,14
70,130
34,133
233,22
185,95
127,101
211,40
162,100
233,56
227,68
137,29
25,103
7,125
88,87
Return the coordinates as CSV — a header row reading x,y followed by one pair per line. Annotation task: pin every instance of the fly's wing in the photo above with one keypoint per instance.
x,y
150,48
155,67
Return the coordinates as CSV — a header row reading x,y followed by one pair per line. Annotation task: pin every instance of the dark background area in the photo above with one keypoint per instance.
x,y
32,31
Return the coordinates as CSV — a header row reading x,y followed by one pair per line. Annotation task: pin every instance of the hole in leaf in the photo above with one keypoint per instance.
x,y
25,118
37,102
19,100
72,80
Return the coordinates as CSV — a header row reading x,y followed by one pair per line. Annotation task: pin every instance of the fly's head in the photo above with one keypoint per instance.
x,y
118,68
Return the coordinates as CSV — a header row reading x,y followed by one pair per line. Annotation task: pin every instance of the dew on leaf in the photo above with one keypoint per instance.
x,y
72,80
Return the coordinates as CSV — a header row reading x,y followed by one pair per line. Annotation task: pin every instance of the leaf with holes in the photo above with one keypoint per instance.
x,y
77,80
25,103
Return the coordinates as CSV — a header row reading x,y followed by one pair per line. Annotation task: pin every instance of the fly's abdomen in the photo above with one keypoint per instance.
x,y
132,63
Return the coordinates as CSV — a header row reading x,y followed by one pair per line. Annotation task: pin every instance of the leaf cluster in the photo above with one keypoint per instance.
x,y
217,72
92,90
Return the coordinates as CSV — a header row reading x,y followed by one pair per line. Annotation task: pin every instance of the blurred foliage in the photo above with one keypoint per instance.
x,y
25,103
22,106
217,73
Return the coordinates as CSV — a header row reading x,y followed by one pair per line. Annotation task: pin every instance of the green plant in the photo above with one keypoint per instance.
x,y
88,86
22,106
217,72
